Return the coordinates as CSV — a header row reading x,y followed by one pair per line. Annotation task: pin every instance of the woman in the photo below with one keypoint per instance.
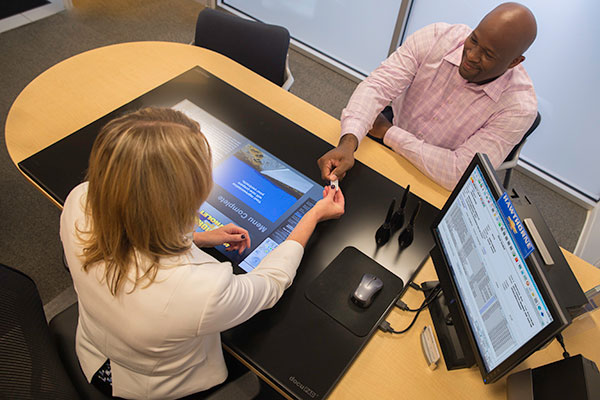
x,y
151,303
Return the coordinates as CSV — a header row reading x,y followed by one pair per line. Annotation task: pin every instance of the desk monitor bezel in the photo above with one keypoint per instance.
x,y
451,292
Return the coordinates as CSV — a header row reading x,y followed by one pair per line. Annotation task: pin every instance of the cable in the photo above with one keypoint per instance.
x,y
562,343
435,292
404,307
385,326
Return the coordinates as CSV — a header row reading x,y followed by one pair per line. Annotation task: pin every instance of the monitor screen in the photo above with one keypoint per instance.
x,y
505,303
502,300
252,189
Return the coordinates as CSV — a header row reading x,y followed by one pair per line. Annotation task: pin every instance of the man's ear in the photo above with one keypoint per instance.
x,y
516,61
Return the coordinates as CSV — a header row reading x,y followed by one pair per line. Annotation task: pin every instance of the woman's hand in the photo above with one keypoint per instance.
x,y
331,206
237,238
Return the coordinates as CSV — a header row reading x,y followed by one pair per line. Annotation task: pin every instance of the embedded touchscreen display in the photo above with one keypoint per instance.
x,y
252,189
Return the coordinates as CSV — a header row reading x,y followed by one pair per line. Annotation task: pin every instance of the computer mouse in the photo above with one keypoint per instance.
x,y
368,287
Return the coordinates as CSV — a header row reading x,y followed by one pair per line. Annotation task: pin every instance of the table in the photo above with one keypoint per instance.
x,y
83,88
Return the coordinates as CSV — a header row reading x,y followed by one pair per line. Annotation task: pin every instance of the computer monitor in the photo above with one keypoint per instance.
x,y
497,306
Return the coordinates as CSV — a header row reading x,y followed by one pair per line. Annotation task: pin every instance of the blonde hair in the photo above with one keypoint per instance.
x,y
149,172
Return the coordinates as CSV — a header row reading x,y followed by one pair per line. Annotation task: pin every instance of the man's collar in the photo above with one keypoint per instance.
x,y
493,89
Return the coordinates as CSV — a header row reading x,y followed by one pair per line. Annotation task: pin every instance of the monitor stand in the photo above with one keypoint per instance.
x,y
448,335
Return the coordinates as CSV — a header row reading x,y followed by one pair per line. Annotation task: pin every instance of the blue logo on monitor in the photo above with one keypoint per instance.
x,y
515,225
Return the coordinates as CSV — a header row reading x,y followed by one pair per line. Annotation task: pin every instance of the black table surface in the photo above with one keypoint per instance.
x,y
295,344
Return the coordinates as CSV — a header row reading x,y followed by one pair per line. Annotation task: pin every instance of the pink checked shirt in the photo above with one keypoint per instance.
x,y
440,119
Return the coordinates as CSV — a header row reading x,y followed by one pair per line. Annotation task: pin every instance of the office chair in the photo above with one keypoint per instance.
x,y
513,157
260,47
63,328
30,366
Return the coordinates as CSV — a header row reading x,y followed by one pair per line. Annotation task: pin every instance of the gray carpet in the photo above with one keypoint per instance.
x,y
29,239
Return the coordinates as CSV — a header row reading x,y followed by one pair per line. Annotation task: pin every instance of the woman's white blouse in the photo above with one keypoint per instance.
x,y
163,339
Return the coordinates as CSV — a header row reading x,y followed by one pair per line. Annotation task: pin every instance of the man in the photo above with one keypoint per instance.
x,y
453,92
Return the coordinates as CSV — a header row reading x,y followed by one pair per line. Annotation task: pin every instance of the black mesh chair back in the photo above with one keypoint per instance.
x,y
30,367
259,47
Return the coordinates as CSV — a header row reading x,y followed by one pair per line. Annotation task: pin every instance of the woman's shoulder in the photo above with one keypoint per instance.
x,y
74,208
76,198
78,190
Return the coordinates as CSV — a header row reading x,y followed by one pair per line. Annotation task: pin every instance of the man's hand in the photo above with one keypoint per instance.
x,y
380,127
336,162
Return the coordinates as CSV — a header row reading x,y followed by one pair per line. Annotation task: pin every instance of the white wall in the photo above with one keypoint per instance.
x,y
588,246
356,33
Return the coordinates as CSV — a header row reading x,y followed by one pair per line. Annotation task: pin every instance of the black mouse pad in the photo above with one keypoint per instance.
x,y
331,291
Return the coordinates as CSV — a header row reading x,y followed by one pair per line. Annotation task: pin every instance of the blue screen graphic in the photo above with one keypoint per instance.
x,y
251,187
